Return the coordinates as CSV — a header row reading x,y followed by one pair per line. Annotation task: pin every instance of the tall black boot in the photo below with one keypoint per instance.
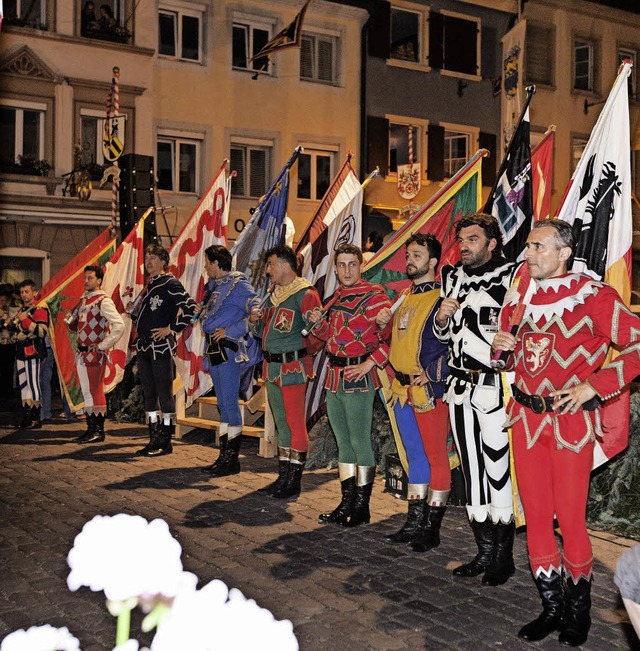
x,y
409,529
283,470
230,465
292,486
27,419
360,513
162,444
428,535
154,432
36,421
223,446
502,566
483,533
576,622
90,431
341,513
96,433
551,593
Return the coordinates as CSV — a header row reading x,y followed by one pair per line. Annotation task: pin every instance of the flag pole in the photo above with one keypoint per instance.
x,y
503,166
370,178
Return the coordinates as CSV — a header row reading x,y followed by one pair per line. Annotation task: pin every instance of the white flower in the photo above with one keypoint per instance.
x,y
125,556
40,638
215,618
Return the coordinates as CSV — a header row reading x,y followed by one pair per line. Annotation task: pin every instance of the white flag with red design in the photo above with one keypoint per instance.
x,y
206,226
123,281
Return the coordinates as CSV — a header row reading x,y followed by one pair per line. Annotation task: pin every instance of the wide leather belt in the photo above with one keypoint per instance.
x,y
83,349
281,358
335,360
541,404
471,376
403,378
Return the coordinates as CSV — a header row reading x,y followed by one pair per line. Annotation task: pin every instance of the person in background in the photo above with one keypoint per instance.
x,y
7,347
372,245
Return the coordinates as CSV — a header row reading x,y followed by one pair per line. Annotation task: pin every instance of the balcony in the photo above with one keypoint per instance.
x,y
113,35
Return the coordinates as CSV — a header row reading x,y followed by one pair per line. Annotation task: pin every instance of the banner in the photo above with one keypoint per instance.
x,y
542,175
206,226
513,51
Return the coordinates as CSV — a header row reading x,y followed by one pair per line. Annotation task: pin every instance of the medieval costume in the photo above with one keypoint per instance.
x,y
352,336
562,341
476,412
287,367
96,322
422,416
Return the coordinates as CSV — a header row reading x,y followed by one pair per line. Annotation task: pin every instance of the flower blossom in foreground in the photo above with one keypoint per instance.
x,y
125,556
216,618
41,638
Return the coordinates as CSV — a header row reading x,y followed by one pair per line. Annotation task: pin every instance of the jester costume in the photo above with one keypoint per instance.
x,y
287,367
29,335
228,301
562,341
96,321
352,336
163,302
477,415
421,414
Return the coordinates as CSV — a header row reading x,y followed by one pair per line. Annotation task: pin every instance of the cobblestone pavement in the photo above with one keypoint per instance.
x,y
341,588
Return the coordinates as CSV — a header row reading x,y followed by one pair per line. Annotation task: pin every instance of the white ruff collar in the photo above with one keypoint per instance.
x,y
563,301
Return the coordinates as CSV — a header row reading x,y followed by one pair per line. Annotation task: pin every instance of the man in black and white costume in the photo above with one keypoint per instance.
x,y
473,292
163,310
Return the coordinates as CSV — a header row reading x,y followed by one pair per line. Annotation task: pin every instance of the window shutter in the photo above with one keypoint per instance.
x,y
237,165
379,29
306,58
325,60
435,155
539,47
435,40
489,163
258,165
378,144
460,45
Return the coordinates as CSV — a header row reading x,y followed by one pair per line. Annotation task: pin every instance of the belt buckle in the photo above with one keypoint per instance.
x,y
538,405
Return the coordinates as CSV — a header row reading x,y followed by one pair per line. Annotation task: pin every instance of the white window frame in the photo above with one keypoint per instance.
x,y
317,35
423,36
20,107
630,53
589,45
473,134
252,22
314,151
420,128
179,10
238,141
176,138
463,75
29,253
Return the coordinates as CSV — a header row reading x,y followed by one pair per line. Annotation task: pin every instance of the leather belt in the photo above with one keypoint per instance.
x,y
281,358
83,349
541,404
403,378
335,360
472,376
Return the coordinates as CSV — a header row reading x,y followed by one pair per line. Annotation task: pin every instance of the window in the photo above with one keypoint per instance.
x,y
251,160
21,132
629,53
315,172
540,45
105,20
578,145
583,65
91,134
180,33
25,13
406,28
399,144
454,43
249,37
318,58
457,151
178,163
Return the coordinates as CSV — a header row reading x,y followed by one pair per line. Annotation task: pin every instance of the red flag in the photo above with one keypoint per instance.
x,y
206,226
542,175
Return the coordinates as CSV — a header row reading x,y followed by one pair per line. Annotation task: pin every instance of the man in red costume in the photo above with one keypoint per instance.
x,y
562,341
356,345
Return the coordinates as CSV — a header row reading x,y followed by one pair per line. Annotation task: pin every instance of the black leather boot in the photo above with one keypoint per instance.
x,y
551,593
360,513
428,536
162,444
502,566
36,422
483,533
89,433
409,530
292,483
27,420
96,432
230,465
283,469
154,432
223,446
576,622
340,515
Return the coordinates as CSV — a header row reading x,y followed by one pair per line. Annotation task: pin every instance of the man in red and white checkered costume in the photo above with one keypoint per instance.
x,y
98,326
